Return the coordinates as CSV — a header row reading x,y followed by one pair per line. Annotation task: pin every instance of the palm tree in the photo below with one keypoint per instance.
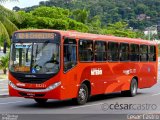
x,y
4,61
7,27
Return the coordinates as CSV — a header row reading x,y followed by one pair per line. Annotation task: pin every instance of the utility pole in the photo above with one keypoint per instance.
x,y
4,47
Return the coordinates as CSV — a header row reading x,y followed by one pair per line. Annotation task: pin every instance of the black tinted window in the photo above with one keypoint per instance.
x,y
134,52
124,52
152,53
100,51
143,52
113,54
86,50
69,51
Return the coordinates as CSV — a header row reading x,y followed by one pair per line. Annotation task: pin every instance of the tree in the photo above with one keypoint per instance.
x,y
50,18
4,61
121,29
7,27
112,11
80,15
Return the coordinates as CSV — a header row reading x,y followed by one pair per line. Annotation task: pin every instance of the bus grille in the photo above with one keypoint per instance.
x,y
31,80
38,78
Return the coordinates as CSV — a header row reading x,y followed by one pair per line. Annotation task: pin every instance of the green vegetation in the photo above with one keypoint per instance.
x,y
124,18
4,61
65,19
50,17
139,14
7,27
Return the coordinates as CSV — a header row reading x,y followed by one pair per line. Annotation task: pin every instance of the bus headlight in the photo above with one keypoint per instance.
x,y
51,87
11,84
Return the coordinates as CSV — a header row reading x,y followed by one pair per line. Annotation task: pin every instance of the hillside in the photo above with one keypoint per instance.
x,y
139,14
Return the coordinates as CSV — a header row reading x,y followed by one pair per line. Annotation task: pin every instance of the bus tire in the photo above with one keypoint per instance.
x,y
40,101
133,89
82,95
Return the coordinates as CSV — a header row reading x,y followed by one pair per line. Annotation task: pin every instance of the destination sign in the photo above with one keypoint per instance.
x,y
34,35
22,45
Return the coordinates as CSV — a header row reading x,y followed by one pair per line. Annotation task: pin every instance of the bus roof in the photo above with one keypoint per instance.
x,y
90,36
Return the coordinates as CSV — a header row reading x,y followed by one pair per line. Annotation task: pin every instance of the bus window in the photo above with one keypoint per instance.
x,y
100,51
45,58
86,50
69,54
124,52
134,52
113,54
143,52
152,53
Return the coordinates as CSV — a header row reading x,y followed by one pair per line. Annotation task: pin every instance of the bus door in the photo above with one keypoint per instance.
x,y
145,68
69,64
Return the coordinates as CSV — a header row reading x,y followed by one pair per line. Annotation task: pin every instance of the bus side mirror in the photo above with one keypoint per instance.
x,y
4,47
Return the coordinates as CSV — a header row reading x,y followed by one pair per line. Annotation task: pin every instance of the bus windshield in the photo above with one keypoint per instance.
x,y
36,58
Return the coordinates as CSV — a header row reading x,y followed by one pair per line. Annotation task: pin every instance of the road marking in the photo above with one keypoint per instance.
x,y
86,106
10,102
156,94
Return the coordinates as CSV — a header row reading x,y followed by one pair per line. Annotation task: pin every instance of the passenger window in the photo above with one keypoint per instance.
x,y
100,51
113,54
143,52
86,50
69,54
124,52
152,53
134,52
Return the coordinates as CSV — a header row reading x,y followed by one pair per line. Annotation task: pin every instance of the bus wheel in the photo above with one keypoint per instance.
x,y
40,101
82,95
133,89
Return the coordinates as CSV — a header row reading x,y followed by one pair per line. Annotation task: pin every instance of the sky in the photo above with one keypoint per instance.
x,y
21,3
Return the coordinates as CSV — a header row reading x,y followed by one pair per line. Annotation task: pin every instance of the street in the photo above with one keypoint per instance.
x,y
94,106
97,105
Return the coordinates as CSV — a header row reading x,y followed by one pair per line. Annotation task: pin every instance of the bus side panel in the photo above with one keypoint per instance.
x,y
120,77
115,77
69,88
96,75
148,75
75,77
112,78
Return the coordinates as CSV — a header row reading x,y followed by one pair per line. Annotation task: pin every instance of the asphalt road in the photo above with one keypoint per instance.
x,y
110,106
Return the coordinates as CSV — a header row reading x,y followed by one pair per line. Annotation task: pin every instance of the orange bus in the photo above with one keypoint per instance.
x,y
55,64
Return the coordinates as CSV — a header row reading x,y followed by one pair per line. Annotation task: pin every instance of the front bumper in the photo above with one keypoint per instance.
x,y
51,92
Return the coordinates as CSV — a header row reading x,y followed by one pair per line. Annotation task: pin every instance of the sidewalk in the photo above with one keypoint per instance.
x,y
3,87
